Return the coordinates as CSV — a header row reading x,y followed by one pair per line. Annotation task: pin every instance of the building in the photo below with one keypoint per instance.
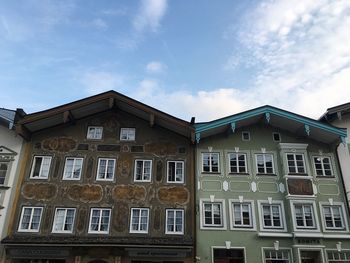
x,y
270,190
107,179
10,154
339,116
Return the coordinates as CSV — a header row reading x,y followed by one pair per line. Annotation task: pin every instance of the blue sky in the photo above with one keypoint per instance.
x,y
204,58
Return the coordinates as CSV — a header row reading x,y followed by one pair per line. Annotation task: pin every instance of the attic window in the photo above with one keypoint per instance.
x,y
276,137
127,134
245,136
94,133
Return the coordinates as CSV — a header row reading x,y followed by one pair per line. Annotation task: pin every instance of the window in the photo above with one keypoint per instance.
x,y
238,162
276,137
30,219
210,162
94,133
323,166
295,163
245,136
99,220
234,255
174,221
143,170
41,167
264,163
213,214
336,256
3,172
72,168
333,217
242,215
64,220
105,170
272,216
304,216
277,256
127,134
175,172
139,220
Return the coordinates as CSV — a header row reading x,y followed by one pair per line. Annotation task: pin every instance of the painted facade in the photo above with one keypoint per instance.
x,y
339,116
10,154
106,179
270,190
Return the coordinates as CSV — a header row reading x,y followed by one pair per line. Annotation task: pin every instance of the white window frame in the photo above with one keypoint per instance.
x,y
344,228
6,172
130,134
322,165
210,162
99,231
140,209
65,167
347,251
311,248
233,248
316,227
295,163
143,170
203,225
182,211
252,218
237,167
96,135
265,168
182,175
41,167
283,227
272,249
64,220
243,133
106,170
30,219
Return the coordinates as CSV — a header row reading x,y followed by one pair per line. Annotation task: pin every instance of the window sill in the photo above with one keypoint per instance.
x,y
326,177
211,173
239,174
297,174
259,174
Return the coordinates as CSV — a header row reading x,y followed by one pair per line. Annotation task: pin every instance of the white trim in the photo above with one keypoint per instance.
x,y
323,171
94,137
283,228
183,172
40,177
143,167
127,130
315,228
245,163
224,247
335,250
223,214
310,248
182,222
65,167
139,220
274,173
65,217
290,252
289,146
243,139
99,222
345,227
252,217
105,174
294,154
31,218
210,163
274,234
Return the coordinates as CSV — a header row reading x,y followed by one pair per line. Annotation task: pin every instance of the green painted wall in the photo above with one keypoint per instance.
x,y
261,136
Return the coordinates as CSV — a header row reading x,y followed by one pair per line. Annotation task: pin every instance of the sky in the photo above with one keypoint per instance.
x,y
207,59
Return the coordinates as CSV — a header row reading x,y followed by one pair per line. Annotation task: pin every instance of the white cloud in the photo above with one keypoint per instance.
x,y
99,23
100,81
155,67
150,15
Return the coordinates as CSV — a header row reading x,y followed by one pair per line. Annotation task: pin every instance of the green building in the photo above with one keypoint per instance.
x,y
270,190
